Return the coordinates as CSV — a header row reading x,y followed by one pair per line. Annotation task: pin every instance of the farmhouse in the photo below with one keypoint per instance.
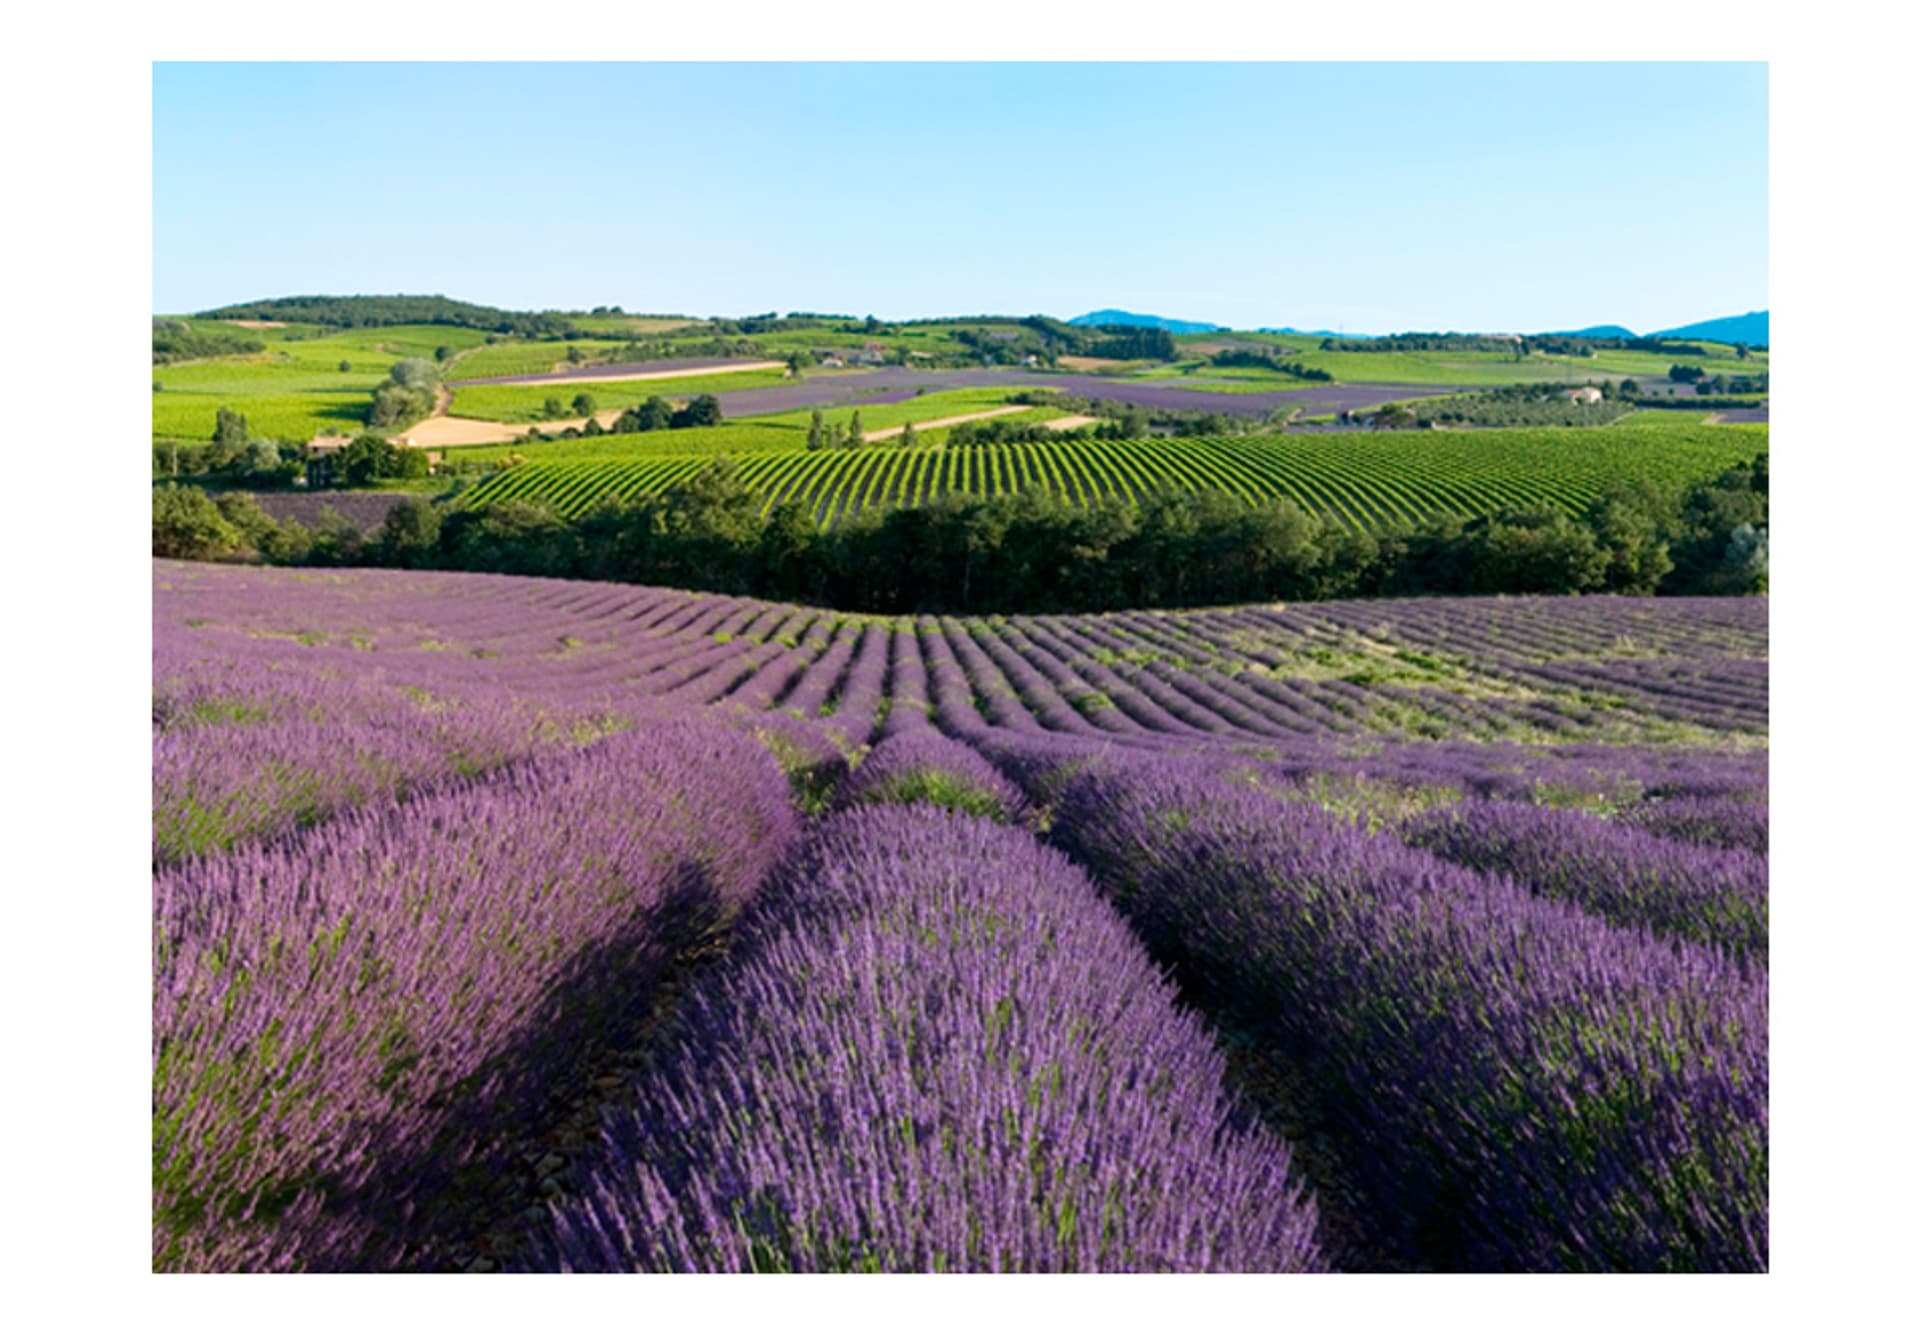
x,y
1586,393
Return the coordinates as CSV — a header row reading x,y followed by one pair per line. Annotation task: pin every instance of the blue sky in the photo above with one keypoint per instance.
x,y
1365,197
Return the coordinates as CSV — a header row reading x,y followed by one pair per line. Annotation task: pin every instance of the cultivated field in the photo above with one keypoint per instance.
x,y
526,924
1360,477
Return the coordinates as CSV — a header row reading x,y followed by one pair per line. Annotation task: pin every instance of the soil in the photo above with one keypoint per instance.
x,y
888,432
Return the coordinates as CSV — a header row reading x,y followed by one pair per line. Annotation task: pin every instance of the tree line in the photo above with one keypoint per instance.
x,y
175,341
368,312
1030,552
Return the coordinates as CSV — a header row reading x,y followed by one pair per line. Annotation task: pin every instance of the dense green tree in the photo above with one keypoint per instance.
x,y
513,537
335,539
187,525
817,430
702,411
369,458
410,533
583,404
1631,520
414,373
855,436
1540,550
230,430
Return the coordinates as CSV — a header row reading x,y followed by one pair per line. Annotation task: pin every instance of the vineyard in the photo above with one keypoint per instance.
x,y
1362,478
535,925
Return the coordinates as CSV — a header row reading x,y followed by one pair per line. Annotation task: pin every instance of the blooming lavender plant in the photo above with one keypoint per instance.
x,y
1515,1084
346,1022
1714,896
924,766
939,1051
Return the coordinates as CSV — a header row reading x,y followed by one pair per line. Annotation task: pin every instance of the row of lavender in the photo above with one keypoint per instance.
x,y
1513,1081
1615,671
937,1049
352,1021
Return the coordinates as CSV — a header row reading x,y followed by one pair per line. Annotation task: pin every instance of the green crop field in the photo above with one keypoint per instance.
x,y
1359,478
774,433
530,357
524,402
295,389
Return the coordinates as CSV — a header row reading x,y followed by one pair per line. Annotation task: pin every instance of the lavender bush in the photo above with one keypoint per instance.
x,y
345,1023
1516,1085
923,766
940,1051
1714,896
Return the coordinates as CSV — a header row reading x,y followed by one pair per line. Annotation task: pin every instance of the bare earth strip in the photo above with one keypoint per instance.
x,y
258,324
443,432
1090,363
888,432
1072,423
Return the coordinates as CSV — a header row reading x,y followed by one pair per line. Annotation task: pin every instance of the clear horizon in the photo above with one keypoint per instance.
x,y
1369,198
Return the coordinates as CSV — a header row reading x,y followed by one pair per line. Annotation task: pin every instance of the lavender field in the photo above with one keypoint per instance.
x,y
520,924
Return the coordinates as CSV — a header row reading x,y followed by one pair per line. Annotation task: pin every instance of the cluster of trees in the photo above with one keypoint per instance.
x,y
233,457
1127,343
1704,383
367,459
367,312
1268,359
1526,405
996,431
823,434
1030,553
656,414
1425,342
175,341
406,395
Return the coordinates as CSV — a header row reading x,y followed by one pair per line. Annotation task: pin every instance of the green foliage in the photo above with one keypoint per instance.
x,y
410,534
353,312
370,458
230,430
187,525
935,787
407,394
174,340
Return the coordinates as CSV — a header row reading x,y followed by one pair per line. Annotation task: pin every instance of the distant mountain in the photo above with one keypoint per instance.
x,y
1315,333
1128,319
1750,328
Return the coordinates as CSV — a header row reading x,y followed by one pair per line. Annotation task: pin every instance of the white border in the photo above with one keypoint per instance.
x,y
78,114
